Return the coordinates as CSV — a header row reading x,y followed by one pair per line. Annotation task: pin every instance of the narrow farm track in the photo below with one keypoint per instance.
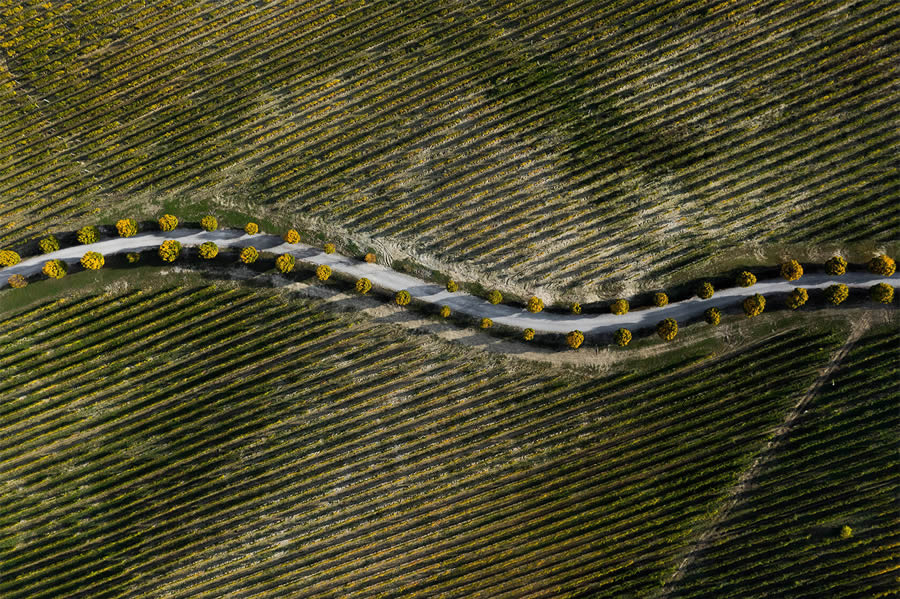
x,y
386,278
768,453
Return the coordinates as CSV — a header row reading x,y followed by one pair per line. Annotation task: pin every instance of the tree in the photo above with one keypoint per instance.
x,y
48,244
292,236
403,298
170,249
660,299
791,270
323,271
667,329
249,255
127,227
712,316
452,286
132,257
575,339
535,304
495,297
285,263
486,323
55,269
329,248
208,250
705,290
92,261
17,281
445,312
209,223
882,265
619,307
882,293
370,258
88,234
622,337
746,279
576,308
836,266
363,286
846,532
168,222
9,258
251,228
528,334
797,298
836,294
754,305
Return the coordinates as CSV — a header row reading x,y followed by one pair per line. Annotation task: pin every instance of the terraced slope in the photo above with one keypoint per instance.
x,y
839,468
565,144
199,441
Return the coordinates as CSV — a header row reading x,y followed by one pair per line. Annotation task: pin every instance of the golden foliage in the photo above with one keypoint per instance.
x,y
292,236
55,269
323,271
170,249
403,298
370,258
127,227
797,298
528,334
791,270
535,304
705,290
249,255
9,258
622,337
92,261
48,244
836,294
168,222
251,228
575,308
660,299
746,279
363,286
754,305
667,329
486,323
88,234
132,257
17,281
574,339
882,265
285,263
620,307
495,297
836,266
712,316
329,248
882,293
208,250
209,223
445,311
452,286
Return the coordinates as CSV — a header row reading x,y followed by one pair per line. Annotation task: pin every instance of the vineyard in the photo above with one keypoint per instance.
x,y
196,441
562,145
838,469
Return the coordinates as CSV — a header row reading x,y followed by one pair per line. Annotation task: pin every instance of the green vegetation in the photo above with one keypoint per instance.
x,y
180,467
791,531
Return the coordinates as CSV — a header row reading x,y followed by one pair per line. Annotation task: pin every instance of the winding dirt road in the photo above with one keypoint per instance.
x,y
386,278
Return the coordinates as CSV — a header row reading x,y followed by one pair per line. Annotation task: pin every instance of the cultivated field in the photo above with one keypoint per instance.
x,y
193,441
556,146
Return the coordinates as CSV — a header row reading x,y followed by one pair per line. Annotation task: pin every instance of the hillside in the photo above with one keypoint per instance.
x,y
573,147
